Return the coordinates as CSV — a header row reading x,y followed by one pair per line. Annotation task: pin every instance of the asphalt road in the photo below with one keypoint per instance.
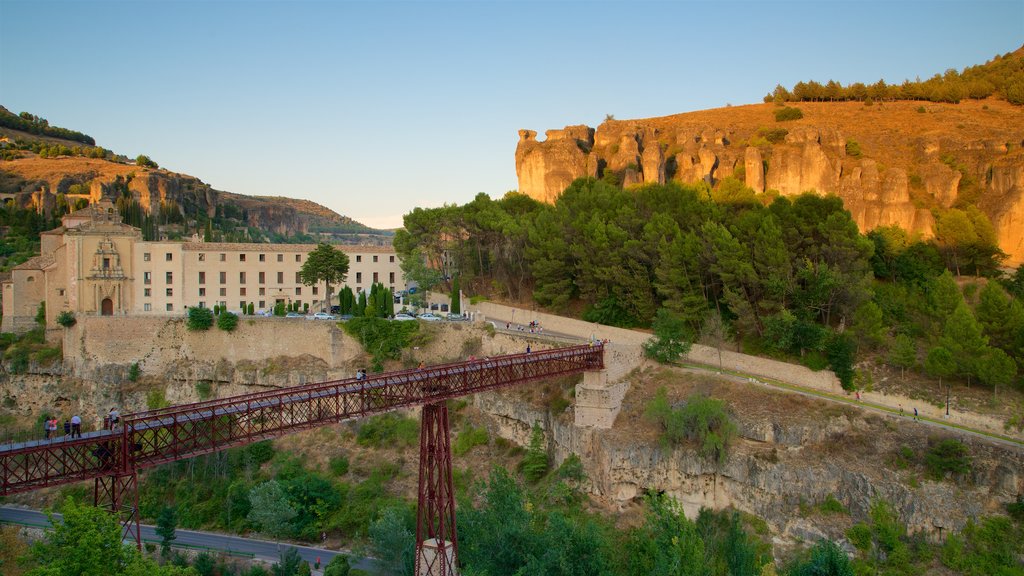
x,y
246,547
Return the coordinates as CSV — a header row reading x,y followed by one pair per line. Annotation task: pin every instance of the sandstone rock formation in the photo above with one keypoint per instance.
x,y
904,161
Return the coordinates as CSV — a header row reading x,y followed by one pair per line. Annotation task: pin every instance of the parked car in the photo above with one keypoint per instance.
x,y
456,317
293,315
345,317
403,317
320,316
429,317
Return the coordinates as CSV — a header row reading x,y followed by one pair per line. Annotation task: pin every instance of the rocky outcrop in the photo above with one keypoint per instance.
x,y
777,469
898,170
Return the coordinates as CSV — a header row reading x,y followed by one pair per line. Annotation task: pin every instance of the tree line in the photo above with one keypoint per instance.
x,y
33,124
1003,78
793,278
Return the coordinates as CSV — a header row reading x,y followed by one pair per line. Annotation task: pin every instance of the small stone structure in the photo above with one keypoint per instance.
x,y
597,401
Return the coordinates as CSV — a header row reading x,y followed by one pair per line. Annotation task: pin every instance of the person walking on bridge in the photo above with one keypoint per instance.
x,y
76,426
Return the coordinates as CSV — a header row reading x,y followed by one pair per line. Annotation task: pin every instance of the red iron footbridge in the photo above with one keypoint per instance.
x,y
113,458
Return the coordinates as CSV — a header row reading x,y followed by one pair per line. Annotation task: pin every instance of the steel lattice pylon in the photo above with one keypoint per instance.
x,y
146,439
436,544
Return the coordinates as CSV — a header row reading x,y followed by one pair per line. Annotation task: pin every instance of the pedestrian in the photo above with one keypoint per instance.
x,y
901,409
858,396
527,348
115,417
915,412
46,427
421,366
76,426
67,427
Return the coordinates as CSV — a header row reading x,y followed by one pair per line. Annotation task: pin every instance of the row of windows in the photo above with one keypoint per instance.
x,y
147,278
169,257
148,292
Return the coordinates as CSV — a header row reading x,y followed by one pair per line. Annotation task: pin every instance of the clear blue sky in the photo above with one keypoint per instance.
x,y
373,108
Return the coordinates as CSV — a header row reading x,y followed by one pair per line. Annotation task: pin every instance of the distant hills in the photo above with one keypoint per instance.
x,y
51,169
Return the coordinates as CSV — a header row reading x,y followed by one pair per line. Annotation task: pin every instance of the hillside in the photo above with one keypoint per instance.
x,y
892,162
35,169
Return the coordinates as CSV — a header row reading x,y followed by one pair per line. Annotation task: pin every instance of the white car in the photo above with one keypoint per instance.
x,y
320,316
403,317
429,317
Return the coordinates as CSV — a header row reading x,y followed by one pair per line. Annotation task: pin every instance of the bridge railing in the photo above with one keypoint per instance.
x,y
154,437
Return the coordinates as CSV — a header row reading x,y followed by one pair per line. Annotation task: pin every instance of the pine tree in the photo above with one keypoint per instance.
x,y
903,353
165,526
535,463
963,337
456,307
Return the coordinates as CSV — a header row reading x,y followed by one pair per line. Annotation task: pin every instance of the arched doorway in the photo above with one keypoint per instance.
x,y
107,307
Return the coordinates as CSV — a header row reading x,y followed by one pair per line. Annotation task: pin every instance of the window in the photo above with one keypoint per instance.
x,y
60,292
263,303
106,263
241,277
202,277
169,278
315,291
298,291
391,258
263,291
298,278
374,277
359,277
241,257
147,292
223,257
145,256
298,257
242,306
263,277
202,291
223,277
280,257
359,258
147,277
280,277
298,303
223,291
169,256
147,307
170,307
170,291
241,291
374,257
202,257
263,257
391,277
202,304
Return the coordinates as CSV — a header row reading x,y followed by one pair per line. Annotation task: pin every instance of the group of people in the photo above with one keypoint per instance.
x,y
73,426
361,374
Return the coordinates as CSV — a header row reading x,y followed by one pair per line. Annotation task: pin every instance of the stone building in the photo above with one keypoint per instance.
x,y
94,264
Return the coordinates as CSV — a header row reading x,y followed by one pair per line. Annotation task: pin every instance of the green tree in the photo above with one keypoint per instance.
x,y
324,264
339,566
392,541
66,318
868,325
964,339
945,295
997,369
667,543
825,559
456,306
199,318
227,321
903,353
145,161
271,512
672,337
535,462
290,563
940,363
840,353
165,526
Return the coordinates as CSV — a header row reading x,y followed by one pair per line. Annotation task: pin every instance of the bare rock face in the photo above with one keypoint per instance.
x,y
897,180
546,168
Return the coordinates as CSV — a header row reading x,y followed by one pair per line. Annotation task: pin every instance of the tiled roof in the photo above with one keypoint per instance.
x,y
35,263
255,247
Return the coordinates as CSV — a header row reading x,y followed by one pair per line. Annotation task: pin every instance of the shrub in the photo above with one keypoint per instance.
x,y
703,419
921,110
947,456
470,438
535,463
66,318
155,399
134,372
204,389
338,465
199,319
227,321
390,430
773,135
46,356
853,149
145,161
788,113
831,506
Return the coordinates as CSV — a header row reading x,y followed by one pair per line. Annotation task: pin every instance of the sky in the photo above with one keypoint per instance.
x,y
373,108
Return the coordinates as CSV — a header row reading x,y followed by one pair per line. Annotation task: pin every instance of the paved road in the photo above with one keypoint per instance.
x,y
246,547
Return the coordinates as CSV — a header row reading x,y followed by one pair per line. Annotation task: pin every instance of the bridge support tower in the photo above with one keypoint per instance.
x,y
436,543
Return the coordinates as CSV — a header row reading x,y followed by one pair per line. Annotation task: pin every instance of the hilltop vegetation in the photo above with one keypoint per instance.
x,y
1002,77
33,124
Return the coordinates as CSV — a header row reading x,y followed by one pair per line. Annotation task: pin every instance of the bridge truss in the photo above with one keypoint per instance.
x,y
112,458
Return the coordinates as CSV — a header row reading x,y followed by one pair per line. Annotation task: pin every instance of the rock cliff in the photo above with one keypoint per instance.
x,y
891,163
